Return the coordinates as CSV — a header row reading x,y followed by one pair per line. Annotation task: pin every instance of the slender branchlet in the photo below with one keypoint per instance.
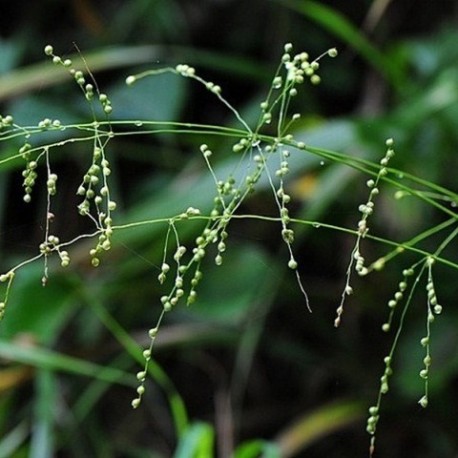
x,y
357,261
433,308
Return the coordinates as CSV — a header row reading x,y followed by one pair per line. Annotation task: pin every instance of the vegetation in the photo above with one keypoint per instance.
x,y
182,222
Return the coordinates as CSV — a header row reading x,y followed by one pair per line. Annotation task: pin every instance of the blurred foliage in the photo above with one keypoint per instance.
x,y
246,369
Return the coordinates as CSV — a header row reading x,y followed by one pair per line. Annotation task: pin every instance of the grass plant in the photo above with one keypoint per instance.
x,y
261,154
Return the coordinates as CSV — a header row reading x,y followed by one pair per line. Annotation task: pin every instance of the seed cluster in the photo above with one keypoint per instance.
x,y
80,79
187,273
357,259
297,69
433,309
29,173
6,121
96,194
374,411
398,297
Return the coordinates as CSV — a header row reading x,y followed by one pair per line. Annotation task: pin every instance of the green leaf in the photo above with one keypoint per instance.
x,y
13,440
37,311
42,442
257,448
29,111
230,301
197,442
47,359
158,98
10,51
317,424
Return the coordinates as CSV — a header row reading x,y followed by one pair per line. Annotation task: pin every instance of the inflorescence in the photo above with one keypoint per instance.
x,y
97,203
232,190
261,155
